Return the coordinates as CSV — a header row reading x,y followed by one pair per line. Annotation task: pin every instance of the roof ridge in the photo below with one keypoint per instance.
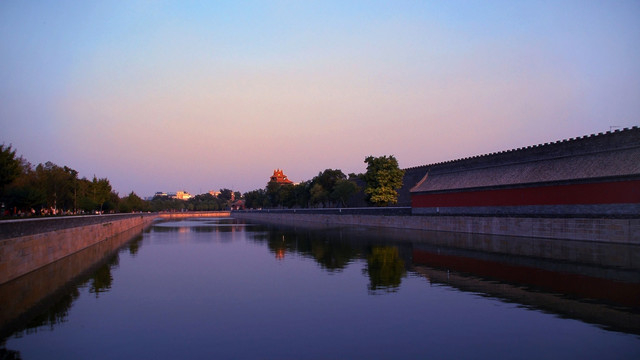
x,y
539,160
573,139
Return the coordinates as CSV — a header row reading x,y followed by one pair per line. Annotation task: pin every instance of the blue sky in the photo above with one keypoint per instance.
x,y
202,95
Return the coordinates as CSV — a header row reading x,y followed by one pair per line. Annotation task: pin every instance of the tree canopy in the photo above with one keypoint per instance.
x,y
50,189
10,167
383,179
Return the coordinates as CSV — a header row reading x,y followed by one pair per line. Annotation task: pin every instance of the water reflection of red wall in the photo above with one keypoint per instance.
x,y
620,192
627,294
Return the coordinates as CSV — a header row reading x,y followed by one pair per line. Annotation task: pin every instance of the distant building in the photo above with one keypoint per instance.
x,y
214,193
279,177
237,205
160,194
182,195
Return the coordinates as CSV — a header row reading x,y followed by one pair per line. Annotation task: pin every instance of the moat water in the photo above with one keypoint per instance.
x,y
232,289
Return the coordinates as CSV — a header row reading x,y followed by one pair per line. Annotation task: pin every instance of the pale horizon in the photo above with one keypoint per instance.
x,y
198,97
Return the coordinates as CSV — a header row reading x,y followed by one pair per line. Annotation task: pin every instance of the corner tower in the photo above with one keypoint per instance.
x,y
280,178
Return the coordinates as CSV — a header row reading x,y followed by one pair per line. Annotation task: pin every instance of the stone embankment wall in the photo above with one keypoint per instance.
x,y
26,245
625,231
192,214
25,297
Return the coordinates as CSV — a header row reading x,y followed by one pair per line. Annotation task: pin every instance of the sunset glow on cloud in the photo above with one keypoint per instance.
x,y
180,95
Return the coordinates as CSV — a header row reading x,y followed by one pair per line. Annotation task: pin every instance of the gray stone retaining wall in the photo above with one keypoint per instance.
x,y
39,242
23,227
626,231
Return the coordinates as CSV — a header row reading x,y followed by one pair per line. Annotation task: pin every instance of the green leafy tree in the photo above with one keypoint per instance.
x,y
343,190
286,195
50,186
10,167
225,194
132,202
165,203
255,199
206,202
301,193
112,203
329,178
319,196
323,186
383,179
58,184
101,193
24,194
84,196
272,194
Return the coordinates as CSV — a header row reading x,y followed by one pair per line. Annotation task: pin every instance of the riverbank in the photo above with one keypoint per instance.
x,y
611,230
29,244
26,296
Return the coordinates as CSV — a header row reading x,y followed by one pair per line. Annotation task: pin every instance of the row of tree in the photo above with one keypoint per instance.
x,y
332,188
202,202
51,189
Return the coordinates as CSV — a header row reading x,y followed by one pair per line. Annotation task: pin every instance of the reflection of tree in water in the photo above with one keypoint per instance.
x,y
9,355
330,254
385,268
102,279
134,246
55,310
56,313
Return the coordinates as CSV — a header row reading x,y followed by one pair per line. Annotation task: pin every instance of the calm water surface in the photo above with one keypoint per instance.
x,y
225,289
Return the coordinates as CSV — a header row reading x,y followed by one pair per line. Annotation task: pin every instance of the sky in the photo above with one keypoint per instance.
x,y
204,95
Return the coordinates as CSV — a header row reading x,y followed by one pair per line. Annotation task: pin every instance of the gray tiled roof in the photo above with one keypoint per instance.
x,y
541,164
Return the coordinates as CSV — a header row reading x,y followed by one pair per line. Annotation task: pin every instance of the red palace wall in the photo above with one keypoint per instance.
x,y
616,192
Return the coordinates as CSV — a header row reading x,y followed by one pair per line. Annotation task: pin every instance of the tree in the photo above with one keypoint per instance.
x,y
23,192
132,202
329,178
58,185
301,193
101,191
225,194
383,179
10,167
343,190
23,195
323,186
206,202
255,199
318,194
84,195
286,195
